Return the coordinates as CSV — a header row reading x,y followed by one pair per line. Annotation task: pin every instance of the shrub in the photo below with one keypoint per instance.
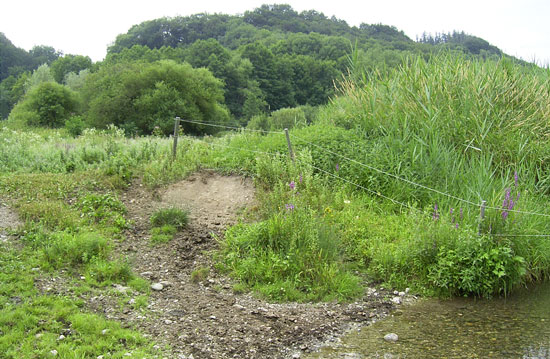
x,y
48,105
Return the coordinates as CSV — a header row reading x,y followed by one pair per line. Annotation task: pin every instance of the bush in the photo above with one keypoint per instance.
x,y
48,105
75,125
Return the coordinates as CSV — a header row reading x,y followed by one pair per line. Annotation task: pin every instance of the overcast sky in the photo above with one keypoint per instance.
x,y
519,28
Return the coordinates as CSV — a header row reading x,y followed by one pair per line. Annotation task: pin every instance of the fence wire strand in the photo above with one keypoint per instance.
x,y
230,127
418,184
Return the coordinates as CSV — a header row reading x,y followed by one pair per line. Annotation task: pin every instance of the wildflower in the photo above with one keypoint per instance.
x,y
461,214
504,215
516,178
289,206
435,216
337,167
456,226
300,179
292,185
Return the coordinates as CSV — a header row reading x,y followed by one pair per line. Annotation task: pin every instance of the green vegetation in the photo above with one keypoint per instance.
x,y
386,187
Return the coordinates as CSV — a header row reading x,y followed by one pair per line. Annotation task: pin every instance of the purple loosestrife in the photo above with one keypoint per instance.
x,y
292,185
516,178
435,215
337,167
289,206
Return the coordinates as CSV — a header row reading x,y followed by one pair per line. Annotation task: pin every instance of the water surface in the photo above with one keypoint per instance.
x,y
513,327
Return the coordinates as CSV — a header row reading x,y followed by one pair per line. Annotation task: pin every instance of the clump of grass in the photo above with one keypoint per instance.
x,y
200,274
163,234
166,223
175,217
65,249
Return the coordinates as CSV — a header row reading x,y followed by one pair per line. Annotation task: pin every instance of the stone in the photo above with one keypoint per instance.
x,y
157,286
61,337
396,300
53,352
402,294
391,337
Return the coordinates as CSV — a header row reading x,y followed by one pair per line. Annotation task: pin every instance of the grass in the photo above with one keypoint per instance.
x,y
31,322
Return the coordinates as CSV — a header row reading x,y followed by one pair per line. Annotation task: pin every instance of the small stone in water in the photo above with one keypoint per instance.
x,y
391,337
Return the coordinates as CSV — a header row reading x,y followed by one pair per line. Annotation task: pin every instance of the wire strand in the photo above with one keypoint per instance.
x,y
417,184
230,127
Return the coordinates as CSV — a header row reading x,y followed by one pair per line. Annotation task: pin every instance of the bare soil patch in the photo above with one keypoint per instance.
x,y
206,319
8,220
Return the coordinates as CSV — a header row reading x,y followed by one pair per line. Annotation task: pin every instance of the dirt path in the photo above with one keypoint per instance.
x,y
206,319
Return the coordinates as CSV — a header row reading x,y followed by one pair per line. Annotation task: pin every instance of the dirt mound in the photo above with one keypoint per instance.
x,y
210,196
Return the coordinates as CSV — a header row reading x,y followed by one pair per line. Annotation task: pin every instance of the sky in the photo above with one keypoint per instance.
x,y
520,27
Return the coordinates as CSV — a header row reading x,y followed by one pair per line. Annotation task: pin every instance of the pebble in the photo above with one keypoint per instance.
x,y
157,286
104,331
396,300
61,337
99,357
53,352
391,337
402,294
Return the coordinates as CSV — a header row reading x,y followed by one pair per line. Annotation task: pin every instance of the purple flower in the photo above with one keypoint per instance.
x,y
289,206
504,215
461,214
456,226
292,185
435,216
337,167
300,178
511,205
516,178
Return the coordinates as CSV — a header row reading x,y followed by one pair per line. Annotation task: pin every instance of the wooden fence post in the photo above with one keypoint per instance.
x,y
289,146
176,132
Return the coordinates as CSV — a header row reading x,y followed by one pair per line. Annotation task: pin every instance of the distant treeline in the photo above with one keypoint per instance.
x,y
264,60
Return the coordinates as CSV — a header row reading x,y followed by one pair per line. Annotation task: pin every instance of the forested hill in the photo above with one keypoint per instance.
x,y
295,57
274,23
267,59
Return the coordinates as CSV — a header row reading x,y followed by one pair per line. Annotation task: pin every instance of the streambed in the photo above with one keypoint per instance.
x,y
514,327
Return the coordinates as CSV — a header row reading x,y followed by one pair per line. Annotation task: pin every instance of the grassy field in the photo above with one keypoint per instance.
x,y
386,187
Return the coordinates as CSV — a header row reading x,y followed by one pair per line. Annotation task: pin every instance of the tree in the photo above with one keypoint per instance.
x,y
48,105
141,96
69,63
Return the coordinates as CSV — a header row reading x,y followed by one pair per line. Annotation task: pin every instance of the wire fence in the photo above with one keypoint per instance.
x,y
482,206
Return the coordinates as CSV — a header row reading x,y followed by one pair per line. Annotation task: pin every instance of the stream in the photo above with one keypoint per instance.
x,y
514,327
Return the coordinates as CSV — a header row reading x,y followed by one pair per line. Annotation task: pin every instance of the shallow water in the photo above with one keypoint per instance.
x,y
513,327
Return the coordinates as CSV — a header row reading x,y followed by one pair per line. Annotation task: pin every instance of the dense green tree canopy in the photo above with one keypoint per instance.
x,y
141,96
47,105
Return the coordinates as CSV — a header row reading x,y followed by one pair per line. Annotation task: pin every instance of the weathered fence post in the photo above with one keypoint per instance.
x,y
481,215
176,131
289,146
